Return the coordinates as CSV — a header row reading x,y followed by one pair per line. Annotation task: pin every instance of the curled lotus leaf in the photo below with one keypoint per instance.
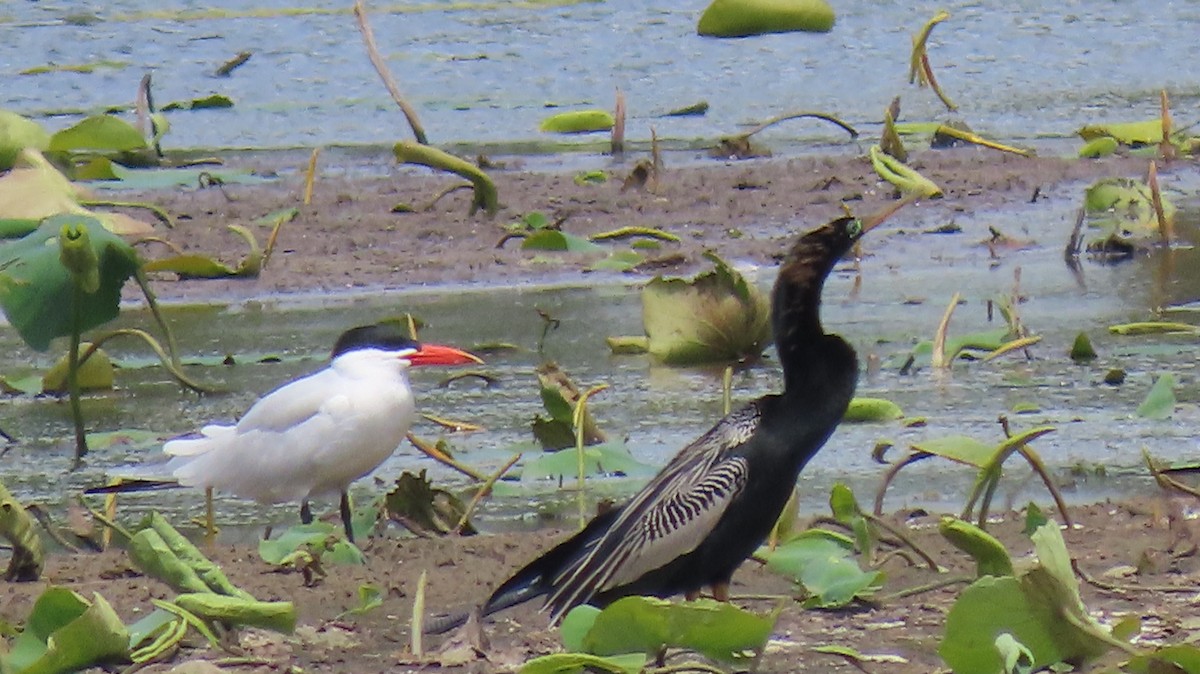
x,y
717,316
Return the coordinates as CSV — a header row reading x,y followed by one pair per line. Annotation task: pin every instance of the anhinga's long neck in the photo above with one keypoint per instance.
x,y
800,339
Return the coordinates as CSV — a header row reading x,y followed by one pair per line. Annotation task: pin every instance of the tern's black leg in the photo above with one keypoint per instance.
x,y
305,512
345,508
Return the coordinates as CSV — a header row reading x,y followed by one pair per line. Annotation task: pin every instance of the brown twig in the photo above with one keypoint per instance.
x,y
445,459
360,15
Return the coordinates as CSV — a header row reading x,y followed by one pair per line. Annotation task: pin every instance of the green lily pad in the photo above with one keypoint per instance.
x,y
591,178
991,558
576,624
1181,658
81,68
865,410
317,535
577,663
95,374
604,459
1099,147
18,133
741,18
1160,401
1030,608
718,630
958,448
618,260
35,190
694,110
1081,349
1128,133
1124,208
552,239
67,633
279,616
209,102
577,121
717,316
35,287
825,566
99,132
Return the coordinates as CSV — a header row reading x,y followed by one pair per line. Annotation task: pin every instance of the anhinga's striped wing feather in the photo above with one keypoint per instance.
x,y
668,518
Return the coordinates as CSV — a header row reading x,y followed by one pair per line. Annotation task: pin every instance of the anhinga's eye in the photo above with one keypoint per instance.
x,y
854,228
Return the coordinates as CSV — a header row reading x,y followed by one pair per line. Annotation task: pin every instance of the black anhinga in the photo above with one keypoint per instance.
x,y
715,502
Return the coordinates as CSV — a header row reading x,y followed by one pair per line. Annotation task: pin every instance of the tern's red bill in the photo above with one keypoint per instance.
x,y
436,354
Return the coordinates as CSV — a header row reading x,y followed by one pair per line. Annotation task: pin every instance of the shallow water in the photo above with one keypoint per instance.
x,y
487,73
907,279
1024,71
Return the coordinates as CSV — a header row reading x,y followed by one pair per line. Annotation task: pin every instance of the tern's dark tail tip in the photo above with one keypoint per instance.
x,y
133,485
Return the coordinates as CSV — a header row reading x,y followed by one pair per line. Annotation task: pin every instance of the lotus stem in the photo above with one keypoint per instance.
x,y
166,361
928,587
368,36
73,362
484,490
890,475
895,531
158,212
579,421
446,460
486,195
152,302
798,115
942,360
310,175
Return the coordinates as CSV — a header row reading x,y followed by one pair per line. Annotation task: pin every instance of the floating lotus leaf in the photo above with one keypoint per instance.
x,y
604,459
16,134
36,290
99,132
95,374
741,18
1148,132
577,121
1160,401
1100,147
718,630
211,101
716,316
1124,208
863,410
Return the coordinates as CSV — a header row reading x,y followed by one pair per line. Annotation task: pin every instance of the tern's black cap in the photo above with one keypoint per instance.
x,y
383,336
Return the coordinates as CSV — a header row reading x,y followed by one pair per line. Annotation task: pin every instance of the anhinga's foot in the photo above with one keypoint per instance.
x,y
720,592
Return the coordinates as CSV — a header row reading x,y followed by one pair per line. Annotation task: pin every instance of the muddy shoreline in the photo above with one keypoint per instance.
x,y
350,240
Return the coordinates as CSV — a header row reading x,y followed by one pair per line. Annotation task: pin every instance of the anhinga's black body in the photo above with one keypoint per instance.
x,y
715,502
